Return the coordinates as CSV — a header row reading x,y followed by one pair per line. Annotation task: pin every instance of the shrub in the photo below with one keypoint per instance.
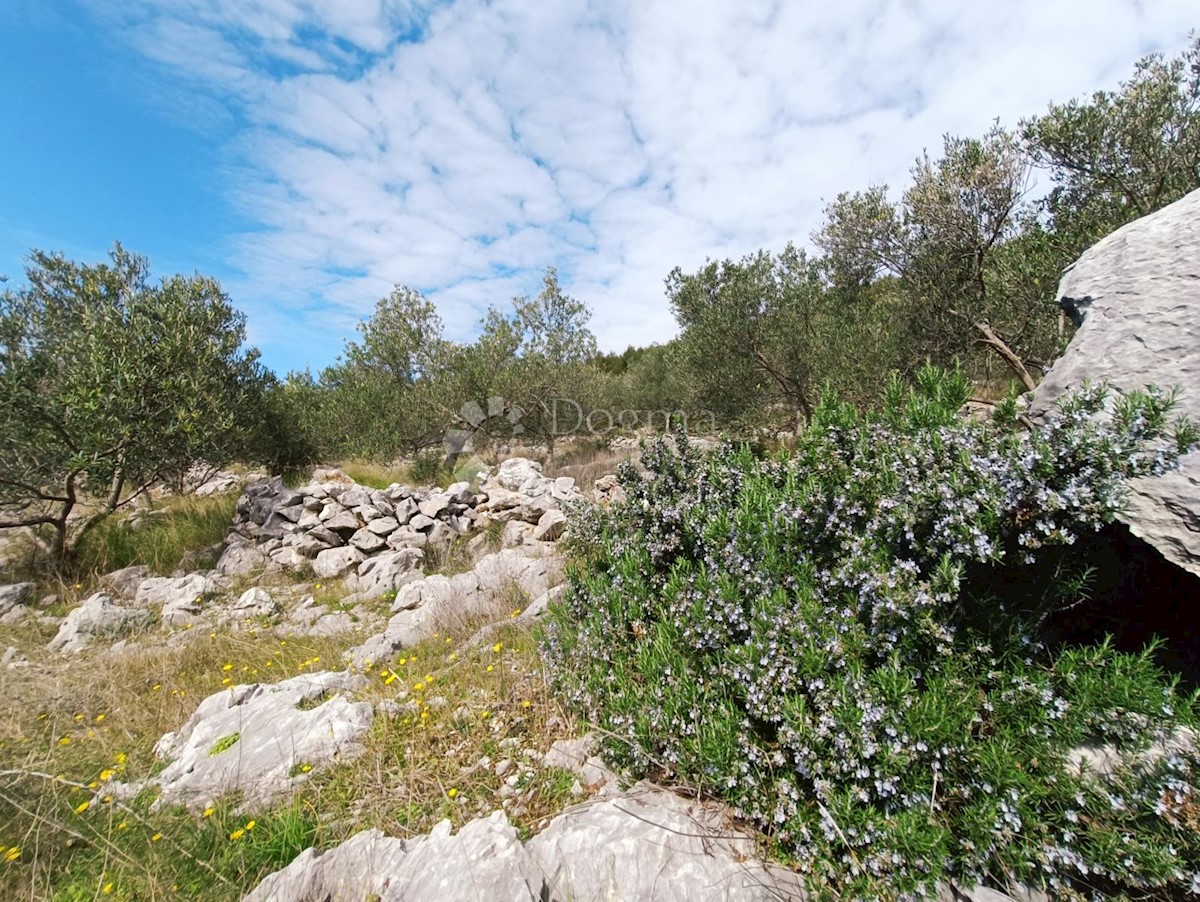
x,y
814,638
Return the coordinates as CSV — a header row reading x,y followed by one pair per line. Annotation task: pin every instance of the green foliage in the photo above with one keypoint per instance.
x,y
109,383
189,525
814,638
224,744
1120,154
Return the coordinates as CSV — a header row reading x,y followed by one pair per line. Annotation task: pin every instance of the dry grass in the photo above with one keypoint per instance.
x,y
69,725
586,465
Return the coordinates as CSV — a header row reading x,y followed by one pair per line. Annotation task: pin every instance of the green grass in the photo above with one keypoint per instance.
x,y
190,523
372,474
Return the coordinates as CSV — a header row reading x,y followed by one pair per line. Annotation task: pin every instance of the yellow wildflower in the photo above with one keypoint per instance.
x,y
250,824
452,793
82,807
107,773
208,812
227,668
12,854
100,718
496,648
156,837
66,740
237,834
106,889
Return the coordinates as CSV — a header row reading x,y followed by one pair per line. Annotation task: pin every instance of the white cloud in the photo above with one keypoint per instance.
x,y
462,148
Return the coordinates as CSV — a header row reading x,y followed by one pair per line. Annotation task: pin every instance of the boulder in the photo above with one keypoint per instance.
x,y
550,526
433,506
124,583
174,591
1135,297
384,573
336,562
241,559
256,602
345,523
253,738
384,526
97,617
15,594
429,604
367,541
645,844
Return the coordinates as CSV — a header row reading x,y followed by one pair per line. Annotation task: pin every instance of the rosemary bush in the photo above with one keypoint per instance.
x,y
817,638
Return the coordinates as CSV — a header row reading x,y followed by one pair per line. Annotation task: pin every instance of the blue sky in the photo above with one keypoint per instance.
x,y
312,153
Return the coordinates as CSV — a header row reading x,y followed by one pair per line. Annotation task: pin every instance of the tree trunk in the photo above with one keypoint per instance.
x,y
994,341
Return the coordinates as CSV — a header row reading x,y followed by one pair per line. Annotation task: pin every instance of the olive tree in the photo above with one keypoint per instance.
x,y
1120,154
110,383
942,242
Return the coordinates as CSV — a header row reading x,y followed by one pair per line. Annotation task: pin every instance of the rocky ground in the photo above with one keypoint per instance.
x,y
326,659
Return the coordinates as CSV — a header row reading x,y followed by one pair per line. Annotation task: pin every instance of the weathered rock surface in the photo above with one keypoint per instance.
x,y
98,617
424,606
339,527
174,591
124,583
15,594
1136,298
254,739
645,844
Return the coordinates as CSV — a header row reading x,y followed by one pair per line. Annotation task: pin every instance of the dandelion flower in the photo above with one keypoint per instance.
x,y
122,826
12,854
106,889
490,668
237,834
100,718
156,837
250,824
452,792
66,740
107,773
208,812
121,758
227,668
496,648
527,704
82,807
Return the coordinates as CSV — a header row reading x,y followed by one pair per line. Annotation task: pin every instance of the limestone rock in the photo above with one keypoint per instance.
x,y
97,617
384,526
367,541
124,583
164,590
336,562
384,573
15,594
550,526
256,602
1136,298
431,603
241,560
253,739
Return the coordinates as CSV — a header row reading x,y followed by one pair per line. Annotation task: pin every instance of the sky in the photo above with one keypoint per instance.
x,y
311,154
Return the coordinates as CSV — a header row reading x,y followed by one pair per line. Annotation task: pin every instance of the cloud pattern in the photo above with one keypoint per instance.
x,y
462,147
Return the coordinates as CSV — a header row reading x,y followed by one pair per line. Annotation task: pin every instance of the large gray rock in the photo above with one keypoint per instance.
x,y
384,573
124,583
15,594
175,591
255,738
1136,298
645,844
98,617
241,559
336,561
433,603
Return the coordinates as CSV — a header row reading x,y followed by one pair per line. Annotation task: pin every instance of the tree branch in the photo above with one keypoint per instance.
x,y
994,341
